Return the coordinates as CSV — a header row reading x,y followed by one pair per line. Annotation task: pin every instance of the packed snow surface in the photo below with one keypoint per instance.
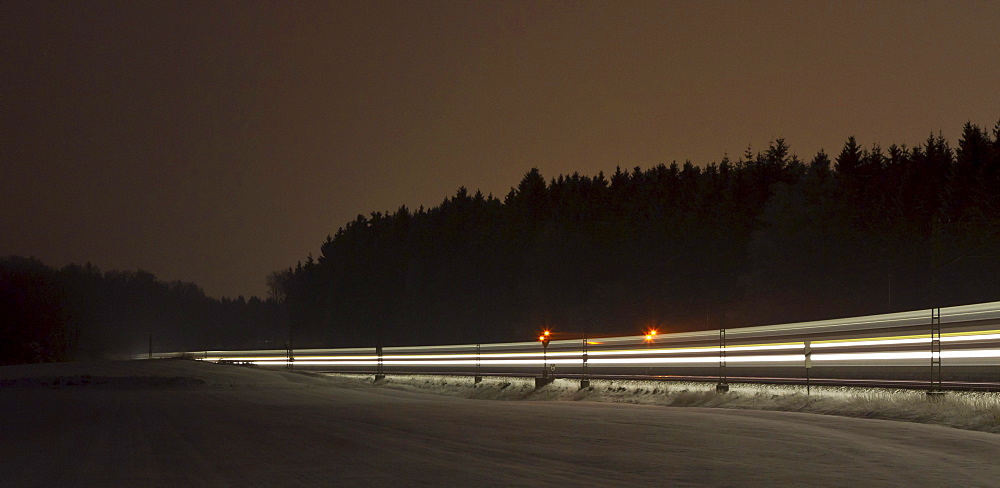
x,y
186,423
964,410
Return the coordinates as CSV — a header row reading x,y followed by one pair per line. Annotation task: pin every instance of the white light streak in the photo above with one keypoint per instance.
x,y
912,340
773,348
890,356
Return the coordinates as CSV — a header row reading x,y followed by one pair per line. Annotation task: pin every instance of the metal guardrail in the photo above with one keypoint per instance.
x,y
961,343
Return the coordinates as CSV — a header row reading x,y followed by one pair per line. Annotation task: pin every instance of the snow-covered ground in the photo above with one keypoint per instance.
x,y
964,410
185,423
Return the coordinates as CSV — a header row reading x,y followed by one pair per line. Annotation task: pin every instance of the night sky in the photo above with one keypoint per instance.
x,y
215,142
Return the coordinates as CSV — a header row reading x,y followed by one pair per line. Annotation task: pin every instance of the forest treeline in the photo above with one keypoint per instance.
x,y
80,313
765,238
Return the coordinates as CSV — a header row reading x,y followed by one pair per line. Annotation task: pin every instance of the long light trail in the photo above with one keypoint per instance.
x,y
783,358
619,352
889,356
850,341
920,339
494,358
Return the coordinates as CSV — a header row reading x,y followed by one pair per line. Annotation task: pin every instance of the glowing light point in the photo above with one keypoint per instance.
x,y
545,337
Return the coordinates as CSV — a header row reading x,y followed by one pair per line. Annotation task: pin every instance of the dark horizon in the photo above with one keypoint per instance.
x,y
764,239
214,143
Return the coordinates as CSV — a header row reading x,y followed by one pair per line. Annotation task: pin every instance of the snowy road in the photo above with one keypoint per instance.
x,y
181,423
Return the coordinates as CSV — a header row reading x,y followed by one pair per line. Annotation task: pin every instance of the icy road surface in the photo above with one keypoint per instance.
x,y
181,423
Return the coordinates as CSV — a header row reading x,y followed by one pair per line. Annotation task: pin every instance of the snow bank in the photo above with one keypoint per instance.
x,y
157,373
964,410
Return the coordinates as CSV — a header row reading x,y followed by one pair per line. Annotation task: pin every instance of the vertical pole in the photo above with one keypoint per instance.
x,y
544,380
584,379
379,373
150,346
723,385
807,350
545,360
649,369
936,350
935,384
479,376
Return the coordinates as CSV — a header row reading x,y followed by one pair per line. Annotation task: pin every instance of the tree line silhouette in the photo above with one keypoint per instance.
x,y
81,313
765,238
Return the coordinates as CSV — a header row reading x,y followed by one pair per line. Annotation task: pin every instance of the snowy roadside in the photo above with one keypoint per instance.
x,y
190,423
963,410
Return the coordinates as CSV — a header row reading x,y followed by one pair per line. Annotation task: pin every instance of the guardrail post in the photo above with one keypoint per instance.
x,y
722,386
379,372
479,376
807,351
545,360
935,388
545,378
